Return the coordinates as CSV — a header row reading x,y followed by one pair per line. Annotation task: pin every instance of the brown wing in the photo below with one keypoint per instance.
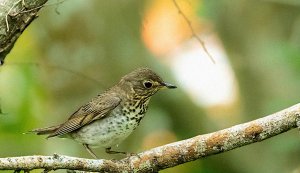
x,y
96,109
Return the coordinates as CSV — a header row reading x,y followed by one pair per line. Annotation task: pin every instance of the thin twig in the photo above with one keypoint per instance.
x,y
193,31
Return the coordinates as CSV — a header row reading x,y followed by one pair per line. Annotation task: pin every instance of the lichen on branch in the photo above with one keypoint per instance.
x,y
15,16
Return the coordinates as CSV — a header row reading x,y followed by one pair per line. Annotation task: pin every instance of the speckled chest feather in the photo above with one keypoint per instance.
x,y
121,122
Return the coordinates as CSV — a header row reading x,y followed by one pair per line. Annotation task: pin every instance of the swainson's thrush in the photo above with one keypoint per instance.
x,y
113,115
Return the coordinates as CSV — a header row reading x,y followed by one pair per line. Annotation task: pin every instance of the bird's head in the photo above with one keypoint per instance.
x,y
143,82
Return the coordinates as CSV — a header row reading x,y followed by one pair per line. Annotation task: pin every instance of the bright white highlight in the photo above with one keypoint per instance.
x,y
208,84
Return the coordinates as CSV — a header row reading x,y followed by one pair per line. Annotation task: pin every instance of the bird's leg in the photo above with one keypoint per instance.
x,y
86,146
109,151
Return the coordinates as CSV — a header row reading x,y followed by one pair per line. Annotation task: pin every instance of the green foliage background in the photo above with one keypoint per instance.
x,y
101,40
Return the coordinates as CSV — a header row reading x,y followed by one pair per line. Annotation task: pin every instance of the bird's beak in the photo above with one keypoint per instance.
x,y
169,86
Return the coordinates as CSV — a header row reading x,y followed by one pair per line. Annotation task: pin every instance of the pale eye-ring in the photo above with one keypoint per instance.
x,y
147,84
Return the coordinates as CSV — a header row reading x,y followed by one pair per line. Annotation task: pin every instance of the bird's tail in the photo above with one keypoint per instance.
x,y
45,131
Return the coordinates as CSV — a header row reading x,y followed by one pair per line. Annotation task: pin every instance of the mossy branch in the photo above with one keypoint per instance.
x,y
15,16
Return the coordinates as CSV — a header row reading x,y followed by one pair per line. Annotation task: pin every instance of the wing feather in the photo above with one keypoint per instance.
x,y
96,109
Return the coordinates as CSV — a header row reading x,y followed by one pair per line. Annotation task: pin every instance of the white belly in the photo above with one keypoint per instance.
x,y
108,131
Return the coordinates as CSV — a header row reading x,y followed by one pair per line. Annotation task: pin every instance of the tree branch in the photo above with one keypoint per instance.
x,y
15,16
171,154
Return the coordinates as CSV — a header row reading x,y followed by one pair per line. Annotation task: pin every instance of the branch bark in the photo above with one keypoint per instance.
x,y
15,16
171,154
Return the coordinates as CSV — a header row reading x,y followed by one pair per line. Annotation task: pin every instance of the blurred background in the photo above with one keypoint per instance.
x,y
77,49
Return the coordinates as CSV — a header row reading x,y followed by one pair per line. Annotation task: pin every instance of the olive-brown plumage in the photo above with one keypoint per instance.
x,y
111,116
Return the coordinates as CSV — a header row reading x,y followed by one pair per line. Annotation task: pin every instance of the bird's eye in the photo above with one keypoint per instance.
x,y
147,84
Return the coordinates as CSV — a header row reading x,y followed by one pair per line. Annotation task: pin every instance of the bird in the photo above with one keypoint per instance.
x,y
109,118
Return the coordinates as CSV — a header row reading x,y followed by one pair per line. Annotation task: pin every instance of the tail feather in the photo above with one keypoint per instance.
x,y
45,131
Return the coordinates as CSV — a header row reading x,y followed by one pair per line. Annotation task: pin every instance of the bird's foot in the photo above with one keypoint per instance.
x,y
128,154
109,151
